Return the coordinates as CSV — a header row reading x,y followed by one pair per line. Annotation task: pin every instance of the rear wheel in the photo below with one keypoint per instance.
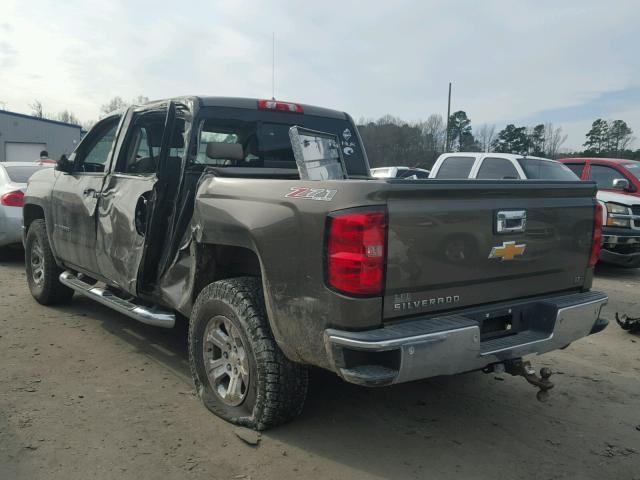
x,y
240,372
42,271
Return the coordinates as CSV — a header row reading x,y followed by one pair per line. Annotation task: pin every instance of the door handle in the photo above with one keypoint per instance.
x,y
91,192
511,221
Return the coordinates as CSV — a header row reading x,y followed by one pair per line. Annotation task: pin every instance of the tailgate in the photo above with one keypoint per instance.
x,y
445,250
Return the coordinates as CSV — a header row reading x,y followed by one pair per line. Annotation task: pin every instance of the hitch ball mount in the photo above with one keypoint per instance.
x,y
524,369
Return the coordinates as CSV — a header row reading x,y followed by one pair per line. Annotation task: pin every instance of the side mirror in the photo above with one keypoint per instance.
x,y
64,165
621,184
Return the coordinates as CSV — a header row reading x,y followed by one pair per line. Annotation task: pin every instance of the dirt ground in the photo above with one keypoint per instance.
x,y
87,393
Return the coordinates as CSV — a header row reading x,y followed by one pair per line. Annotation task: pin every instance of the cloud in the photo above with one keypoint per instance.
x,y
602,105
7,55
508,61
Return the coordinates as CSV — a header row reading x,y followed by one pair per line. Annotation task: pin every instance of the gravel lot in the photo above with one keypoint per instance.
x,y
86,393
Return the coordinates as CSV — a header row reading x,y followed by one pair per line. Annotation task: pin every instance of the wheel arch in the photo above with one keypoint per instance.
x,y
215,262
31,212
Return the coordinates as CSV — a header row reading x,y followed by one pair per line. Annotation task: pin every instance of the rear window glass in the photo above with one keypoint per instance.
x,y
456,167
22,174
497,169
264,137
546,170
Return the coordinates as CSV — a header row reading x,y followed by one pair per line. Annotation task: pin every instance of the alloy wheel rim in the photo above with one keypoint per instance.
x,y
37,263
225,361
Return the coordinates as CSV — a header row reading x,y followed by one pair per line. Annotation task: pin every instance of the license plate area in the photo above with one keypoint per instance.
x,y
496,327
500,323
505,322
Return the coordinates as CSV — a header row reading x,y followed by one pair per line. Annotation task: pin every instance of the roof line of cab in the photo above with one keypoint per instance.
x,y
241,102
606,159
495,155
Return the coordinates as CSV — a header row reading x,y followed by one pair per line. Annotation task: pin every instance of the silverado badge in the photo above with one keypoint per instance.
x,y
508,251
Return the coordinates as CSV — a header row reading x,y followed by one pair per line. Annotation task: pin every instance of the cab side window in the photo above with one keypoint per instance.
x,y
140,153
576,168
604,176
94,154
497,169
455,167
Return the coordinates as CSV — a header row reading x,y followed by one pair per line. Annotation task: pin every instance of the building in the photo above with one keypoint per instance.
x,y
23,137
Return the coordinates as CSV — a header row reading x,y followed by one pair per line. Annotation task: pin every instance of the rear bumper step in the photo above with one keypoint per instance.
x,y
428,347
142,314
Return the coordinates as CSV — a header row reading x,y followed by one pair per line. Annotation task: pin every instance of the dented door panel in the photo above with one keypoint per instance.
x,y
120,238
73,206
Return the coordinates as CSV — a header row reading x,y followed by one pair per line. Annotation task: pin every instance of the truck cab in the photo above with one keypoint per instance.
x,y
498,166
610,174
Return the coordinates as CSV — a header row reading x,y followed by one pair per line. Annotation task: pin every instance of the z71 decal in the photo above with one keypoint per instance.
x,y
312,193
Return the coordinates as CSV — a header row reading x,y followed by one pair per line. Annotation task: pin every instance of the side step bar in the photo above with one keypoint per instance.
x,y
157,318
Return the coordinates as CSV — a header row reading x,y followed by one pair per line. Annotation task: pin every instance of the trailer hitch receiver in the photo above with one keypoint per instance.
x,y
524,369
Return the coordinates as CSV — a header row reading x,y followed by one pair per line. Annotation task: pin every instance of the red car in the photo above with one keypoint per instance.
x,y
608,173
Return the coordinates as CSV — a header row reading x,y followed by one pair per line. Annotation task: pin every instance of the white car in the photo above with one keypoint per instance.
x,y
13,183
498,166
407,173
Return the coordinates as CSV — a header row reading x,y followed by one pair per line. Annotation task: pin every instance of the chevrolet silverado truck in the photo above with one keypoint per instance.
x,y
194,209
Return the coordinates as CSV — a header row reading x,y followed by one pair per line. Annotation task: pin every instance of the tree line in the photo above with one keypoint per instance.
x,y
67,116
392,141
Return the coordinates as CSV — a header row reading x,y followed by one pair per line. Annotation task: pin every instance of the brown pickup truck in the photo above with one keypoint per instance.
x,y
194,209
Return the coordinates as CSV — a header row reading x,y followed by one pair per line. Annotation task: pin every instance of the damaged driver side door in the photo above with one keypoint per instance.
x,y
131,194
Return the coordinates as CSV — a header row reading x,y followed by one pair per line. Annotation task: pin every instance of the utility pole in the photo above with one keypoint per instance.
x,y
273,66
446,143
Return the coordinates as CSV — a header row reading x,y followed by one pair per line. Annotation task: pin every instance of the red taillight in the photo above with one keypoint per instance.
x,y
355,251
597,236
281,106
12,199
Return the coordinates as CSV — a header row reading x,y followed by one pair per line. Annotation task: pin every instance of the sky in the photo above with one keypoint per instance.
x,y
524,62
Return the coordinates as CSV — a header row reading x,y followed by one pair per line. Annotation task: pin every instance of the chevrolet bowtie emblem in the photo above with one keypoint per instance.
x,y
508,251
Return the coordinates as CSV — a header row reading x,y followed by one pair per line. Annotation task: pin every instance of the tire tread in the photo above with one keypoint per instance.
x,y
53,291
282,384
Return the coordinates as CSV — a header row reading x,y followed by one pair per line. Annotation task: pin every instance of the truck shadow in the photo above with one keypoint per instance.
x,y
440,427
12,256
604,270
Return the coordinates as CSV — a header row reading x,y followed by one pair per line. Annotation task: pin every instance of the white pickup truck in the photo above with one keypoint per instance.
x,y
498,166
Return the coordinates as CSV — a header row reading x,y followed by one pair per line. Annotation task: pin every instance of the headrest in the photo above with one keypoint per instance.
x,y
226,151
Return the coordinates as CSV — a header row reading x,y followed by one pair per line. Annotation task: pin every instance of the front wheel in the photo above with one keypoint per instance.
x,y
240,372
42,271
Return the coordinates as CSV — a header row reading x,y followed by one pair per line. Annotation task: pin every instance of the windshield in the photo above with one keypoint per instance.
x,y
21,174
633,168
264,137
537,169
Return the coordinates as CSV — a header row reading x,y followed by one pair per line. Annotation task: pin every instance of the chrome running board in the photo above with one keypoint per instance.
x,y
157,318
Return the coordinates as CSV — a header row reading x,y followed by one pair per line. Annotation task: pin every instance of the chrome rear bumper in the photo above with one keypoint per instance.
x,y
450,344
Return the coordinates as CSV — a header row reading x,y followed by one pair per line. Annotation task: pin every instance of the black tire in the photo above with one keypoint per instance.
x,y
276,387
42,271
